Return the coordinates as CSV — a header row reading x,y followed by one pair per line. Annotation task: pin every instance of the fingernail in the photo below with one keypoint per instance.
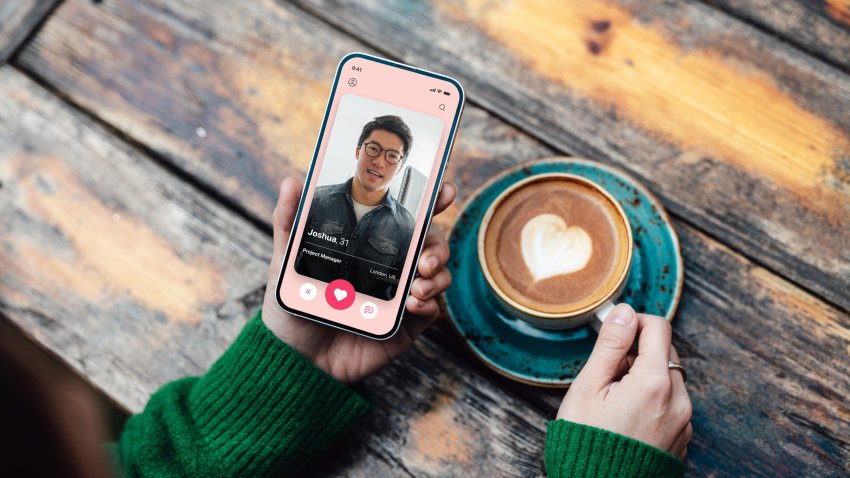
x,y
286,185
452,186
623,314
430,264
412,301
425,287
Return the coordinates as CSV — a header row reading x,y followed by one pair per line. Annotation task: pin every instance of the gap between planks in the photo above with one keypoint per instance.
x,y
779,35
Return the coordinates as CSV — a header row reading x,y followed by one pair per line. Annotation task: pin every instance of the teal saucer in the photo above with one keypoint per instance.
x,y
549,358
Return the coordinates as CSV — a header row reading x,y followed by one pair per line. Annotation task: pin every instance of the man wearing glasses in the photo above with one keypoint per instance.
x,y
356,230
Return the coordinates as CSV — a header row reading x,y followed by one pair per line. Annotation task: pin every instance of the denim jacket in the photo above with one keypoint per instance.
x,y
369,254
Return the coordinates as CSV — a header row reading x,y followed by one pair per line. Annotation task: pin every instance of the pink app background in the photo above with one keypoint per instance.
x,y
400,88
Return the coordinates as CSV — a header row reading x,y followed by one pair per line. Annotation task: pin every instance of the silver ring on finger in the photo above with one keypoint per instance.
x,y
677,366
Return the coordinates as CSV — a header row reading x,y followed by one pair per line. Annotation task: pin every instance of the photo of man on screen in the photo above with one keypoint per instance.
x,y
356,230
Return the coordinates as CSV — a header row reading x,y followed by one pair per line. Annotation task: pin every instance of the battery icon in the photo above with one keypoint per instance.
x,y
446,93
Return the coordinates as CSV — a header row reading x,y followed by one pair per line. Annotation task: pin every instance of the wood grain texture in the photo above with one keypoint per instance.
x,y
755,347
821,27
107,260
18,18
446,420
439,414
229,93
736,151
150,95
133,278
739,134
408,397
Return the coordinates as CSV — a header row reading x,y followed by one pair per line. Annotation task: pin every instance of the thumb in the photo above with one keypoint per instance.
x,y
615,339
284,214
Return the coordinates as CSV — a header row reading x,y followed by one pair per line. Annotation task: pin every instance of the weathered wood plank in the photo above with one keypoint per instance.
x,y
727,166
446,420
821,28
433,404
18,18
743,136
107,261
83,67
134,278
257,102
754,344
228,92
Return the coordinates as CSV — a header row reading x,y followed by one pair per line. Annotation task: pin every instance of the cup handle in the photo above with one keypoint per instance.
x,y
601,314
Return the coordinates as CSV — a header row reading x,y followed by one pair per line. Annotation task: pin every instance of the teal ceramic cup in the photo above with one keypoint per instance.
x,y
593,311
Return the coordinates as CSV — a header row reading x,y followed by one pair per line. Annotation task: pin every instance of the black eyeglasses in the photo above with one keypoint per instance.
x,y
373,149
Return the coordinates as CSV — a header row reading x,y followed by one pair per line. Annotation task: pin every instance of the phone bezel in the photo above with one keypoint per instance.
x,y
431,202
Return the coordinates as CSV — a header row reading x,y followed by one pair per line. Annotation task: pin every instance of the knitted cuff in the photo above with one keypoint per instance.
x,y
263,406
581,450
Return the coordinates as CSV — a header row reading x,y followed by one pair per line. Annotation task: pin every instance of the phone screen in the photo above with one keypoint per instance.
x,y
369,194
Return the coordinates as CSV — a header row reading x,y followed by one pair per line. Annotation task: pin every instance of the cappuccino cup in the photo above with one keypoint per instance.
x,y
556,250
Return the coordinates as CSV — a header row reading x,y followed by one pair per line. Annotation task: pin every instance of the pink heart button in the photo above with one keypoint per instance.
x,y
340,294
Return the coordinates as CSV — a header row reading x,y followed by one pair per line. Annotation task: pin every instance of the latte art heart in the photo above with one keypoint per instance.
x,y
550,248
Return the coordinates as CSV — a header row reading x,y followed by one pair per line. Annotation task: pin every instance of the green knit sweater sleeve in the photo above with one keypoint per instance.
x,y
574,450
262,409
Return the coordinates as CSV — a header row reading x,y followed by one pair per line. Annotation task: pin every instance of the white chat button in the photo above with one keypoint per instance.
x,y
368,310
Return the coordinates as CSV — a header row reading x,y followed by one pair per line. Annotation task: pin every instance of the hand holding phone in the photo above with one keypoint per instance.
x,y
372,187
349,357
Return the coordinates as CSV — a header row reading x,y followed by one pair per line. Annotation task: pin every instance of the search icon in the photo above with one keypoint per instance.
x,y
443,107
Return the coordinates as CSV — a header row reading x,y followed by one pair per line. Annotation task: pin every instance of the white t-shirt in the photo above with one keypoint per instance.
x,y
360,210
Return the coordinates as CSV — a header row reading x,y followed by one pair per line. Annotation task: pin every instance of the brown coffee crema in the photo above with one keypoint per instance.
x,y
579,206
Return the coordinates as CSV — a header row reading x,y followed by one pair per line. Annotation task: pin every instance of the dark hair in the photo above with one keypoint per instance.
x,y
394,125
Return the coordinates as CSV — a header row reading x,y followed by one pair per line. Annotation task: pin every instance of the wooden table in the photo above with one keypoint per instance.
x,y
142,144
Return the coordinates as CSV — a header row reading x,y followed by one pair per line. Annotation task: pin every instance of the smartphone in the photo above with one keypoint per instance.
x,y
377,168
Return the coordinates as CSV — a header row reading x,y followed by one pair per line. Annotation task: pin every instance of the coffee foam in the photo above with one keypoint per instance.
x,y
550,248
556,245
